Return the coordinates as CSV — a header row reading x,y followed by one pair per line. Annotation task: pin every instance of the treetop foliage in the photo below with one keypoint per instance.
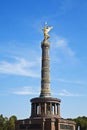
x,y
7,123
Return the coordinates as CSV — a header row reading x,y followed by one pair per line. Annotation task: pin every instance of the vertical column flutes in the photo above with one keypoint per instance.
x,y
45,70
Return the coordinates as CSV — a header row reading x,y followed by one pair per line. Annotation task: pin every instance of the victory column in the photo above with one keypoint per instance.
x,y
45,72
45,110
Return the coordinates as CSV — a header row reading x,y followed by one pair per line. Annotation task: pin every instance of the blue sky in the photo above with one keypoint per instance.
x,y
20,54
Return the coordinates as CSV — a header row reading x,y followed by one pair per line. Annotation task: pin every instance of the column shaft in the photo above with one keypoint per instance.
x,y
45,70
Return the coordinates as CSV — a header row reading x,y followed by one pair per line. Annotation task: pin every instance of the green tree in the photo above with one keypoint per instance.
x,y
7,124
82,122
11,123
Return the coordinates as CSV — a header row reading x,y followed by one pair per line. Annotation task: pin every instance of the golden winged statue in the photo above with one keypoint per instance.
x,y
45,30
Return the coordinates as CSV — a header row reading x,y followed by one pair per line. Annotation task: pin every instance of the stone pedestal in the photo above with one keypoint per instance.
x,y
45,123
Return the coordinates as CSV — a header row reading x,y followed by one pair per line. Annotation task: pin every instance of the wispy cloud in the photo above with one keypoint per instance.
x,y
63,50
20,66
71,82
27,90
62,44
67,93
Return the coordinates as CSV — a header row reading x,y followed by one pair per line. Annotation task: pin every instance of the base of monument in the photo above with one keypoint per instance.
x,y
39,123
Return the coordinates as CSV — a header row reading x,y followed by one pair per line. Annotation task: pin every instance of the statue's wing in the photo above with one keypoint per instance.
x,y
49,28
